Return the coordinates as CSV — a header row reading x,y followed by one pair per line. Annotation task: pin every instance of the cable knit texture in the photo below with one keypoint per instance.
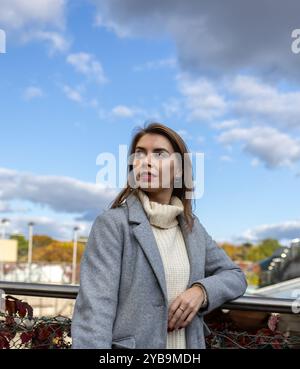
x,y
171,245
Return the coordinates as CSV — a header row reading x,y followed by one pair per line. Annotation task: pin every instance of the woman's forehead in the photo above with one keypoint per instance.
x,y
154,141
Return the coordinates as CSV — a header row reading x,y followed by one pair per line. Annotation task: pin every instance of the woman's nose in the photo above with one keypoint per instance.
x,y
146,160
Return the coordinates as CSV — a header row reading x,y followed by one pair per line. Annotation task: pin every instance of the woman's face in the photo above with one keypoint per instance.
x,y
155,163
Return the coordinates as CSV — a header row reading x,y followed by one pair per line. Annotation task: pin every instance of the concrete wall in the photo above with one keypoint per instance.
x,y
8,250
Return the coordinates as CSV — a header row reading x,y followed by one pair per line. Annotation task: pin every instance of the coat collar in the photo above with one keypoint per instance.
x,y
161,215
144,234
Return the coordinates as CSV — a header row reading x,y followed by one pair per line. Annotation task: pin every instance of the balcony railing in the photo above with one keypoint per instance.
x,y
249,303
247,322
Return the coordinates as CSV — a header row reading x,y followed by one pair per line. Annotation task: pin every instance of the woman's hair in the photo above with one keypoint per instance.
x,y
180,147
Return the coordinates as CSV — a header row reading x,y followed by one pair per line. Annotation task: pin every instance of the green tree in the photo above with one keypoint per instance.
x,y
262,250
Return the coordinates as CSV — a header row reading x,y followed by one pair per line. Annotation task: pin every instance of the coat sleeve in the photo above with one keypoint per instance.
x,y
96,302
224,280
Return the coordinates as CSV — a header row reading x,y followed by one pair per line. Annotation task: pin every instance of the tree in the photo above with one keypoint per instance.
x,y
57,251
263,250
235,252
41,240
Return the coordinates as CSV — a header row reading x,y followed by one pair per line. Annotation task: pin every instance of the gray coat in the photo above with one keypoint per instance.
x,y
122,300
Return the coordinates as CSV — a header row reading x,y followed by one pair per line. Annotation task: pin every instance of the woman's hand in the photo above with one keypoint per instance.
x,y
190,300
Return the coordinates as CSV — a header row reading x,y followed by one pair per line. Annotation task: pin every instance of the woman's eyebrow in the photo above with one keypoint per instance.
x,y
156,149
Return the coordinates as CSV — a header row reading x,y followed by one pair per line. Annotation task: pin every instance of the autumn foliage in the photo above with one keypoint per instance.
x,y
56,251
19,329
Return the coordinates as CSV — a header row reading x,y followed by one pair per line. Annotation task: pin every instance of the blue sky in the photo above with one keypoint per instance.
x,y
78,77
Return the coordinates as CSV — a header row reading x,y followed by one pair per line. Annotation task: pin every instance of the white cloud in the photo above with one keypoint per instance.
x,y
56,41
74,94
17,14
202,100
269,145
122,31
58,193
88,65
286,230
226,124
123,111
254,99
246,98
32,92
261,116
78,95
41,20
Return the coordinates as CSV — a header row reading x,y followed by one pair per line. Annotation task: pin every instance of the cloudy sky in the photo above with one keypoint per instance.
x,y
79,76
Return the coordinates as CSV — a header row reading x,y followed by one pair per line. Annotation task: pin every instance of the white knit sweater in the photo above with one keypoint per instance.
x,y
171,245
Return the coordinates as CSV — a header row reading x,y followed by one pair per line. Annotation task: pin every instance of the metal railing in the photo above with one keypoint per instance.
x,y
249,303
20,328
40,290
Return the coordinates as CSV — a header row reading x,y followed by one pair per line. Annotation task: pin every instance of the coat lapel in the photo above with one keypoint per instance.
x,y
144,234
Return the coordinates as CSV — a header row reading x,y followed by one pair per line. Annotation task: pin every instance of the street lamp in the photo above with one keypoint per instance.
x,y
4,222
29,260
75,230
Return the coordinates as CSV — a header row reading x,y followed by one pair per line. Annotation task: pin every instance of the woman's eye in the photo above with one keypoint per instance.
x,y
138,154
161,154
157,155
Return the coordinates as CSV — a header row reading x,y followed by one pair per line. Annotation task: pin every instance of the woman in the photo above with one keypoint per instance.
x,y
150,270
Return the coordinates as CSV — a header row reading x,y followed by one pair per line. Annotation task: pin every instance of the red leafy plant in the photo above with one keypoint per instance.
x,y
226,334
19,329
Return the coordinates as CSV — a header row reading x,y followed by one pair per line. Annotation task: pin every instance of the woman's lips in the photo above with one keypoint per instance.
x,y
147,177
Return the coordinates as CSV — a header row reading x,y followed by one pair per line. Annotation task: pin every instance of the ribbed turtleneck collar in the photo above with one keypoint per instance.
x,y
161,215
